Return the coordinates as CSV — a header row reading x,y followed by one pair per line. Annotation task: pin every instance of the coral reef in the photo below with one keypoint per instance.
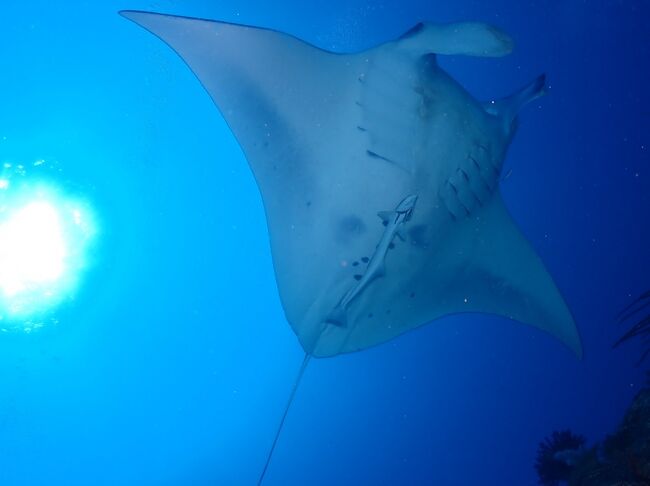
x,y
641,326
622,459
556,457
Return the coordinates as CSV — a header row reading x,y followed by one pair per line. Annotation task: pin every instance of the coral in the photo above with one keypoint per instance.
x,y
556,456
641,326
629,446
623,458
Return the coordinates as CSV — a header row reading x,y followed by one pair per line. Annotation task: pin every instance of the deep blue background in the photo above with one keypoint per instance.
x,y
173,363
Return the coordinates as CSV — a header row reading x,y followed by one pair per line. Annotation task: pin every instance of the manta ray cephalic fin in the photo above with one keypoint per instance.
x,y
463,38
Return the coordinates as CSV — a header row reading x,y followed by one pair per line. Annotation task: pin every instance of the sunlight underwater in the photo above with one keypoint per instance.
x,y
45,238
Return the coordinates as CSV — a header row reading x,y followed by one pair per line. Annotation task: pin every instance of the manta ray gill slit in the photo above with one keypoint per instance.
x,y
44,240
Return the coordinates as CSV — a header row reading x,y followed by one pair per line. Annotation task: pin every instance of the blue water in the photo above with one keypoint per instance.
x,y
173,363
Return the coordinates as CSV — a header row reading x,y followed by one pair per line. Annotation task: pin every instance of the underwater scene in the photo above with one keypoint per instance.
x,y
344,243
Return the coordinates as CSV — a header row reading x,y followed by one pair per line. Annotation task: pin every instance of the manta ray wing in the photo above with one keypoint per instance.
x,y
283,100
335,139
501,274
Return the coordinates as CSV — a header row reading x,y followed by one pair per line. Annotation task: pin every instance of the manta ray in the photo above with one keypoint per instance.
x,y
379,175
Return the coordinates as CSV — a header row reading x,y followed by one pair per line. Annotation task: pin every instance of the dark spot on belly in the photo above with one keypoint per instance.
x,y
365,259
418,235
357,277
412,295
391,246
349,228
355,264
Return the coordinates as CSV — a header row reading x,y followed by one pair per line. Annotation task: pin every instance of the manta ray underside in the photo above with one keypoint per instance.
x,y
380,179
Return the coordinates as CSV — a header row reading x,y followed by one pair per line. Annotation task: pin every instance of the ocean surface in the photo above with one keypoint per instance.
x,y
170,361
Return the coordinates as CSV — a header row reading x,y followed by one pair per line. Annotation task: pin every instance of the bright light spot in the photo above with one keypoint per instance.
x,y
4,184
32,249
44,241
76,214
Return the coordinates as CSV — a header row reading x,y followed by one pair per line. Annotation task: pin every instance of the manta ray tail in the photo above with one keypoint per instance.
x,y
508,108
296,383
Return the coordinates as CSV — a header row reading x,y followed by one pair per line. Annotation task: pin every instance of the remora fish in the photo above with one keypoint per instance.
x,y
393,220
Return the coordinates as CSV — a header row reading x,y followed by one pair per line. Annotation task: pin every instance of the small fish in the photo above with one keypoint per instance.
x,y
394,221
